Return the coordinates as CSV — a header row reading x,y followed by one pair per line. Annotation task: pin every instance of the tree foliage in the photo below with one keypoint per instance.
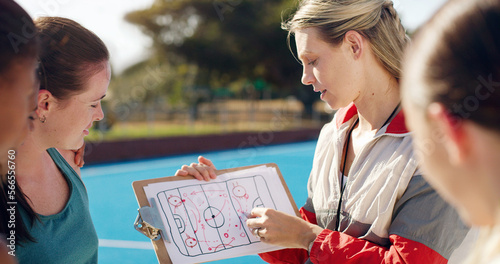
x,y
228,41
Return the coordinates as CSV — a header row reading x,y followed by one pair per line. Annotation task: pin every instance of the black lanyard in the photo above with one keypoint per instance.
x,y
342,187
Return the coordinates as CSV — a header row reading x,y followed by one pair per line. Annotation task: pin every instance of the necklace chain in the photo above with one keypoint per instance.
x,y
346,147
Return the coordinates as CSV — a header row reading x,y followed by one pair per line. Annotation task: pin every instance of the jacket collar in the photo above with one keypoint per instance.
x,y
396,126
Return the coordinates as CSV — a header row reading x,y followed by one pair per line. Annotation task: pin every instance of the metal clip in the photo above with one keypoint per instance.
x,y
149,223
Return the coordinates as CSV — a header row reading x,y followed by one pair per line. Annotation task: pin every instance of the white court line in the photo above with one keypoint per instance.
x,y
124,244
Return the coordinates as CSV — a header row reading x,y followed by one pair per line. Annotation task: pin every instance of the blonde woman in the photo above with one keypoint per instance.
x,y
368,201
451,95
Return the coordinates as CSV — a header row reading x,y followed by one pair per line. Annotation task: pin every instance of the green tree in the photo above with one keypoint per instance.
x,y
226,41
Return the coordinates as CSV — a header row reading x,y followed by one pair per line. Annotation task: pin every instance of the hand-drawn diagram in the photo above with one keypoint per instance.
x,y
211,217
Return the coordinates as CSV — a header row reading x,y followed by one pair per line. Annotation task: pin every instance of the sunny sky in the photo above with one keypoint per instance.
x,y
128,45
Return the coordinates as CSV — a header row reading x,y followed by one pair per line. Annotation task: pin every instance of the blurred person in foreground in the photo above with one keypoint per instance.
x,y
451,95
18,89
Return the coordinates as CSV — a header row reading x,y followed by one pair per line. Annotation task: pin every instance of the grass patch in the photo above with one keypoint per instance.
x,y
155,130
137,130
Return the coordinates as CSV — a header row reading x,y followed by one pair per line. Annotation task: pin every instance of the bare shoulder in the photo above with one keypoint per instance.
x,y
69,156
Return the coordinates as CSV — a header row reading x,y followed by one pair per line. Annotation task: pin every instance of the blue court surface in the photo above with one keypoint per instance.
x,y
114,208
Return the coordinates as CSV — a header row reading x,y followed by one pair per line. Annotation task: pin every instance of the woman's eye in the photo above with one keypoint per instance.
x,y
95,105
312,62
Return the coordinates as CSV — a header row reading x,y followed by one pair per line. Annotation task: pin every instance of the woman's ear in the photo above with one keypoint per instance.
x,y
355,42
45,103
455,139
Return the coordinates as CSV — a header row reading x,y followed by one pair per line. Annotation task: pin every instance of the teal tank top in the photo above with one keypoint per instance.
x,y
66,237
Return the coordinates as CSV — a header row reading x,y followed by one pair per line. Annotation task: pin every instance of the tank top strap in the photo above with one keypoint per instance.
x,y
64,166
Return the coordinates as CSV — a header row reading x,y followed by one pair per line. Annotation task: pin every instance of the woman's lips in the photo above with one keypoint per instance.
x,y
86,131
323,94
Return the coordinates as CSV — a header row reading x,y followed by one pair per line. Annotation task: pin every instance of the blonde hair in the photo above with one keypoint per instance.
x,y
487,247
376,20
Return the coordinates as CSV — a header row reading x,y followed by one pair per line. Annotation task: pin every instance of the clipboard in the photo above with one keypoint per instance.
x,y
148,223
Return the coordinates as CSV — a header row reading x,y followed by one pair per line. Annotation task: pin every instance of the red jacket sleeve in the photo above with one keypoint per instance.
x,y
336,247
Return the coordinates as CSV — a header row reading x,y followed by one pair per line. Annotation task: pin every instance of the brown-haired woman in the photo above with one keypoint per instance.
x,y
368,201
74,77
18,89
451,93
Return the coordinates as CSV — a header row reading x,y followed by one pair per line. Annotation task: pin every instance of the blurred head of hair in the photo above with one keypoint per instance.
x,y
455,61
18,35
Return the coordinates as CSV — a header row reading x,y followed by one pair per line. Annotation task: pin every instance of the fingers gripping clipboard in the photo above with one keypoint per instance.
x,y
191,221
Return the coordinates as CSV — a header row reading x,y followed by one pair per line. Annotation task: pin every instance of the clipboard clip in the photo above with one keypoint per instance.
x,y
149,223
